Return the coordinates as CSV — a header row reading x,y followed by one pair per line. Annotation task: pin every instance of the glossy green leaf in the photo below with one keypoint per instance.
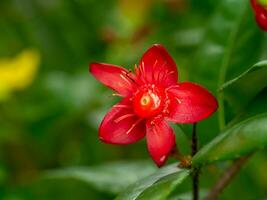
x,y
163,188
242,139
111,177
157,186
231,35
242,89
188,195
255,107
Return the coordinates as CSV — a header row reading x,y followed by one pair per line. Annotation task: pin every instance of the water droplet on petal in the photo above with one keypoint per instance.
x,y
162,159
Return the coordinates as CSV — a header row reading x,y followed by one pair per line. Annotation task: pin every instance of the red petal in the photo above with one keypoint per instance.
x,y
255,5
160,141
114,77
258,9
261,20
157,66
190,103
121,125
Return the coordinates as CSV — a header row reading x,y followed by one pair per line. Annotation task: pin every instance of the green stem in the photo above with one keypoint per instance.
x,y
194,140
226,178
195,177
226,62
221,114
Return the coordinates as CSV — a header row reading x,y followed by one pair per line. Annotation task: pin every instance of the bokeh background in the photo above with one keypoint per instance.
x,y
50,106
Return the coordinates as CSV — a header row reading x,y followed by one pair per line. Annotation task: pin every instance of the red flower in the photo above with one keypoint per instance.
x,y
151,97
260,14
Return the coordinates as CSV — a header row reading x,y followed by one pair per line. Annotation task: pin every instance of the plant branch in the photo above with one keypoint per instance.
x,y
195,177
185,161
226,178
226,60
194,146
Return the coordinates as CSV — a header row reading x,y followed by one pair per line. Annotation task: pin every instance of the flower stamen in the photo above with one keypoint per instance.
x,y
171,87
134,125
168,73
123,117
126,76
121,106
159,74
143,73
153,71
117,95
178,100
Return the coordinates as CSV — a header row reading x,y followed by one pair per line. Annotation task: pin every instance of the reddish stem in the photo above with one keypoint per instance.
x,y
226,178
185,161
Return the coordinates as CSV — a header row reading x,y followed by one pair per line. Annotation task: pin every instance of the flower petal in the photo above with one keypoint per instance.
x,y
190,103
115,77
258,9
160,141
157,66
121,125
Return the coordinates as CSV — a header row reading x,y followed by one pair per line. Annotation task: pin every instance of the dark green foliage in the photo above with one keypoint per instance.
x,y
48,132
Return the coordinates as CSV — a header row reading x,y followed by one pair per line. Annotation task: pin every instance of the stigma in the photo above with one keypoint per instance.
x,y
148,101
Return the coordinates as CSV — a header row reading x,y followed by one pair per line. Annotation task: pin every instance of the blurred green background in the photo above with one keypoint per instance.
x,y
50,106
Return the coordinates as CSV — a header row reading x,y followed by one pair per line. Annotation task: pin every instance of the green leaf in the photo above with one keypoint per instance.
x,y
112,177
163,188
242,139
231,44
188,195
242,89
157,186
255,107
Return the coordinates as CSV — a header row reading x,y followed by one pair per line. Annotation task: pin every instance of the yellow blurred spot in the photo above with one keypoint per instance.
x,y
263,2
135,11
18,73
